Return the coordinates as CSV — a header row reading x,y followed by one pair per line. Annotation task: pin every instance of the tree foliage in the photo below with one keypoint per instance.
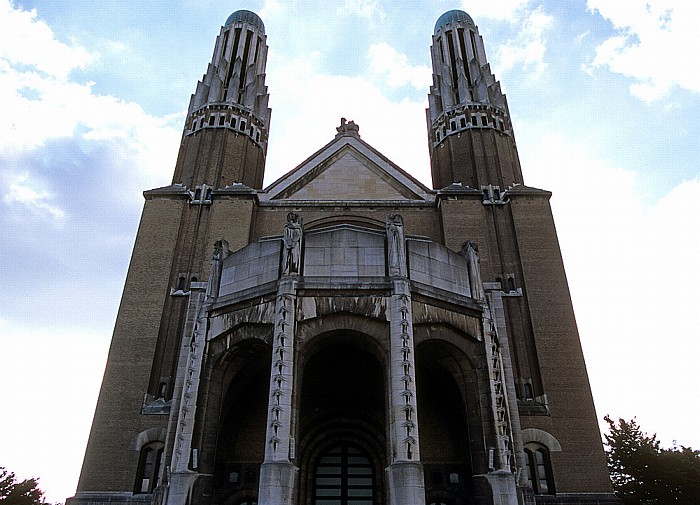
x,y
645,474
25,492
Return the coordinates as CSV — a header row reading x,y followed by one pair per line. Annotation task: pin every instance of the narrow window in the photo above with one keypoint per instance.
x,y
181,284
211,120
453,126
511,284
197,194
539,469
462,122
149,468
233,122
242,125
221,120
484,121
453,63
528,391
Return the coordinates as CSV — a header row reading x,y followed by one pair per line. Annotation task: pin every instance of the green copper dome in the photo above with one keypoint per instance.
x,y
453,16
248,17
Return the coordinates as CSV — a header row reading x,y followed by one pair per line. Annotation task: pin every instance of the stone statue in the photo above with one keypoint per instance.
x,y
291,255
221,252
395,243
471,251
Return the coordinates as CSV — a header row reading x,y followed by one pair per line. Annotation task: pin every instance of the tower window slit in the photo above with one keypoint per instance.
x,y
244,66
453,65
233,122
465,58
462,122
474,51
242,126
484,121
453,126
221,120
211,120
232,58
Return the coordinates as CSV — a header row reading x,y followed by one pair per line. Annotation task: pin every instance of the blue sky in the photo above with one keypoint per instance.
x,y
605,97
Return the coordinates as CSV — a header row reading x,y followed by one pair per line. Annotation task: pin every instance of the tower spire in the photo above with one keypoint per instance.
x,y
229,110
469,127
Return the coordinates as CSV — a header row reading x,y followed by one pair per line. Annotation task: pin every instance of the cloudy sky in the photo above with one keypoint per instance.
x,y
605,97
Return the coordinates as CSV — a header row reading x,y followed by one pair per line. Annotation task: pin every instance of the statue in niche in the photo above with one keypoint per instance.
x,y
291,254
395,243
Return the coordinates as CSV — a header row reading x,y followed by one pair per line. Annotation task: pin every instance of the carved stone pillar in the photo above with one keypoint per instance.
x,y
499,477
183,463
405,472
278,475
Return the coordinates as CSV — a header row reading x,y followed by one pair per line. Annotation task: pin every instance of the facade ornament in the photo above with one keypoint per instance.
x,y
347,128
396,245
470,250
293,234
221,252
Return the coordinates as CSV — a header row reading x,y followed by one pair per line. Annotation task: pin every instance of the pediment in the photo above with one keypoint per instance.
x,y
347,169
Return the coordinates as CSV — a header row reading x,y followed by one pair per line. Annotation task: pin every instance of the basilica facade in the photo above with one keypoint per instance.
x,y
346,335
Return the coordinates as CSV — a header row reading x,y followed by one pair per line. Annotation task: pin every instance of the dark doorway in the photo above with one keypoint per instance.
x,y
343,476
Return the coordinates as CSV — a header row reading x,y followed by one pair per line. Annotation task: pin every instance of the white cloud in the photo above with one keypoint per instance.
x,y
21,192
507,10
26,40
528,47
385,60
369,9
654,43
634,294
394,128
41,102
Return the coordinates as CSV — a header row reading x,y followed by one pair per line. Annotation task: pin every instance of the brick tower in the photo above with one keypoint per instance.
x,y
346,335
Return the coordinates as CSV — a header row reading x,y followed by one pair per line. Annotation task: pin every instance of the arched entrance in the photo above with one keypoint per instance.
x,y
240,441
443,378
342,424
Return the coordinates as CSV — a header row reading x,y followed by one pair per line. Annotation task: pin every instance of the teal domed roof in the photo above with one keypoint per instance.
x,y
248,17
453,16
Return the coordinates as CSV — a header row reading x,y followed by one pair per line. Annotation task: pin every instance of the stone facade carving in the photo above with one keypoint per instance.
x,y
293,234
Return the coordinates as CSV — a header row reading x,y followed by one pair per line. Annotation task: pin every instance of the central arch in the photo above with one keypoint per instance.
x,y
342,410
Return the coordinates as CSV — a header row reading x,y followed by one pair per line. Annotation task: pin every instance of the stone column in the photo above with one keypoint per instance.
x,y
183,463
278,475
405,472
499,477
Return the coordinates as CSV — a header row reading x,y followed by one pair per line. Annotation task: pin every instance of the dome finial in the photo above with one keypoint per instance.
x,y
453,16
248,17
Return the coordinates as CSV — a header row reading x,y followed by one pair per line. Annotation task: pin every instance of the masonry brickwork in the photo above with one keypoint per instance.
x,y
346,335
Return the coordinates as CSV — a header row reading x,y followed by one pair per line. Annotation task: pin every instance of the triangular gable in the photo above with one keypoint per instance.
x,y
347,169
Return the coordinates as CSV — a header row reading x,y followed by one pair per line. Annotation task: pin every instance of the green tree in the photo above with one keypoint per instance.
x,y
643,473
12,492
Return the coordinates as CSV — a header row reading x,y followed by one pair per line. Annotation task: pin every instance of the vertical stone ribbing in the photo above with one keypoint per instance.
x,y
405,473
278,474
189,373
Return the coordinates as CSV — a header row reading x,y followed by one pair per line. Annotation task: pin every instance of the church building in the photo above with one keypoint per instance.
x,y
346,335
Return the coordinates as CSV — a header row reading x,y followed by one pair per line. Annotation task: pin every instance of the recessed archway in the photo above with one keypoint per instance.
x,y
342,411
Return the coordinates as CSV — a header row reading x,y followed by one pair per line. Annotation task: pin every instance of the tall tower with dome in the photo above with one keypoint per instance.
x,y
346,335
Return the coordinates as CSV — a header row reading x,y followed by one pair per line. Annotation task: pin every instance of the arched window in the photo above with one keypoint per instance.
x,y
343,477
149,467
539,469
